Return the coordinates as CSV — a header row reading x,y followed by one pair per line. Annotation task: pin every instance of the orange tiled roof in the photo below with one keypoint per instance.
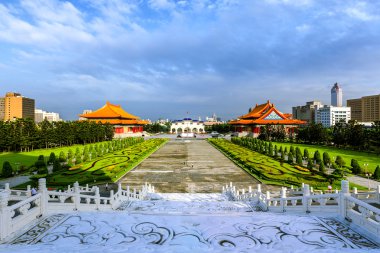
x,y
110,111
266,114
121,121
257,111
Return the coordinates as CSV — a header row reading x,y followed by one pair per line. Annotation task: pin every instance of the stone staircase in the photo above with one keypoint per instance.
x,y
188,203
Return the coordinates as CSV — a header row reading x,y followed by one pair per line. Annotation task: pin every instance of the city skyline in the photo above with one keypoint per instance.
x,y
161,59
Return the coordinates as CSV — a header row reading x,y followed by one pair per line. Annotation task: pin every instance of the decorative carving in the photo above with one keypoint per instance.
x,y
349,234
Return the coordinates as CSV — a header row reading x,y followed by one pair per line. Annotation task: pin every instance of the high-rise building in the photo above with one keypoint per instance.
x,y
41,115
306,112
17,106
330,115
2,109
336,95
365,109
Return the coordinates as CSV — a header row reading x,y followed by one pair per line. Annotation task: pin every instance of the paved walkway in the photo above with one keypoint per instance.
x,y
14,181
189,166
372,184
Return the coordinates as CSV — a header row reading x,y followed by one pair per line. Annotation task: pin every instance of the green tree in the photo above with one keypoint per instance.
x,y
339,161
275,155
290,158
78,159
86,156
355,167
292,150
326,158
317,157
57,166
62,157
299,160
306,154
270,149
376,174
7,169
322,167
70,156
309,164
40,163
52,158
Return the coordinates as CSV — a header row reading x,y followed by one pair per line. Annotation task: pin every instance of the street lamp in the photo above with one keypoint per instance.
x,y
368,175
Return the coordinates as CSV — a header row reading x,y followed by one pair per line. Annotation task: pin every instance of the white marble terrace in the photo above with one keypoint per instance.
x,y
140,220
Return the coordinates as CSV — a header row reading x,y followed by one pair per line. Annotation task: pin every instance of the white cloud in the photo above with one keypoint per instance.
x,y
161,4
303,28
360,11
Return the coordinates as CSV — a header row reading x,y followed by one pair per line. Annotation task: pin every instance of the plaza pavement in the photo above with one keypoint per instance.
x,y
192,166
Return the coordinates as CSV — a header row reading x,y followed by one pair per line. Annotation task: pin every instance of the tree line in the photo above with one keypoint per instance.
x,y
296,156
342,134
25,135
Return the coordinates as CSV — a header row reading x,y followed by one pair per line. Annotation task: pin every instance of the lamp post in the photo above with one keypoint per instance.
x,y
368,176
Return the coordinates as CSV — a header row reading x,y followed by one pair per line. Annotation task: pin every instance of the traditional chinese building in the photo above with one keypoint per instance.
x,y
125,124
261,115
187,125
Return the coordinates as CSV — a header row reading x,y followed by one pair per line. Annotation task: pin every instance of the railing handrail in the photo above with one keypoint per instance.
x,y
363,204
25,201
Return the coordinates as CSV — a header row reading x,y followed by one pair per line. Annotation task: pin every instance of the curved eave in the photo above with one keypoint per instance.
x,y
121,121
267,122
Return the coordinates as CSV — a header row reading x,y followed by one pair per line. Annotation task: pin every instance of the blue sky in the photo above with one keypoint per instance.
x,y
163,58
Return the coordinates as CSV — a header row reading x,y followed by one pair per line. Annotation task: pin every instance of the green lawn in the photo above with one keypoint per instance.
x,y
108,168
269,170
29,158
363,158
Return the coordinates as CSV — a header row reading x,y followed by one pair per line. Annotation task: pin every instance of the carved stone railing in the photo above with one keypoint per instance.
x,y
27,208
368,197
363,215
15,217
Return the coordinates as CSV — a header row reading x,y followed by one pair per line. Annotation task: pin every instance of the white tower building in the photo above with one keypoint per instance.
x,y
336,96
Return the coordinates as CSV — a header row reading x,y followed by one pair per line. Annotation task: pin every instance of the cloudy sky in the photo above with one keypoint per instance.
x,y
164,58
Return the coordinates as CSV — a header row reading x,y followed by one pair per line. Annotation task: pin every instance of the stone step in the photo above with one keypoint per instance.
x,y
186,207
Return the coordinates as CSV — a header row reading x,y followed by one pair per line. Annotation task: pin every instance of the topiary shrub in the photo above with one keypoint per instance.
x,y
7,170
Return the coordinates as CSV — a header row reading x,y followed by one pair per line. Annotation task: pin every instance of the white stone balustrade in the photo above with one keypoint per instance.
x,y
352,206
76,198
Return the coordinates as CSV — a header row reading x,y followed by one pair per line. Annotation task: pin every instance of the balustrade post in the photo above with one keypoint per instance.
x,y
28,191
345,192
97,197
378,193
5,219
283,198
305,198
250,189
134,193
259,188
153,189
267,200
87,188
355,191
119,187
7,188
128,192
44,197
76,196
